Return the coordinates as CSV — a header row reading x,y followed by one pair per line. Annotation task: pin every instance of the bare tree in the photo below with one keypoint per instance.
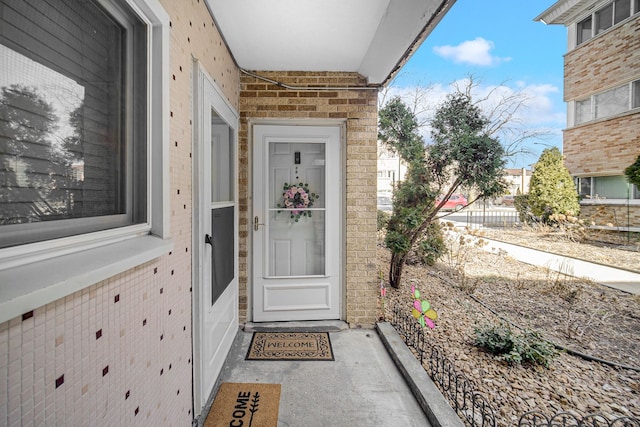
x,y
505,109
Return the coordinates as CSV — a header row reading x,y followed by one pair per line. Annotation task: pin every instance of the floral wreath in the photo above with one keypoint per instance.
x,y
296,198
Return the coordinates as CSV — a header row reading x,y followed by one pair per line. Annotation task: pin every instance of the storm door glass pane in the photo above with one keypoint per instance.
x,y
222,155
297,229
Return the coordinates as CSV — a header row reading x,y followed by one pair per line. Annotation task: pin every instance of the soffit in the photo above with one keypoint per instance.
x,y
371,37
566,12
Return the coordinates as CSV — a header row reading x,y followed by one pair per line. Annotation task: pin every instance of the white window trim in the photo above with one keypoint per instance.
x,y
573,28
34,275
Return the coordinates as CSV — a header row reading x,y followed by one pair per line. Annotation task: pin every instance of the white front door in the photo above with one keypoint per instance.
x,y
297,194
215,243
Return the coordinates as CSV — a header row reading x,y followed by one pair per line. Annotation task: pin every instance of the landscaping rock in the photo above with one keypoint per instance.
x,y
579,315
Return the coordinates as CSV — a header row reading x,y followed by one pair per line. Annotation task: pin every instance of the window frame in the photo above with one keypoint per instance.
x,y
633,92
135,187
592,197
594,20
34,274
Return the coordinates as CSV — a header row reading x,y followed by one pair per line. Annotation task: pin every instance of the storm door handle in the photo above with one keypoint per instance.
x,y
256,223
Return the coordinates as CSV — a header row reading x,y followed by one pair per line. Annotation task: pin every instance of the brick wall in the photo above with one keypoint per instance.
x,y
607,146
611,216
119,352
260,100
603,62
604,147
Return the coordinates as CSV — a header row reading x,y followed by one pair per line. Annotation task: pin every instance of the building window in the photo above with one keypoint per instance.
x,y
607,187
585,28
635,89
583,110
73,127
606,17
608,103
611,102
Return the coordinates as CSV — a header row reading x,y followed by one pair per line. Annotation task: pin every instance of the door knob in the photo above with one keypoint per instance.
x,y
208,239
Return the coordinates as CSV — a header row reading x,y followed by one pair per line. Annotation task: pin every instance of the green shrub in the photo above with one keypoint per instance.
x,y
633,173
383,219
551,189
432,247
528,347
521,203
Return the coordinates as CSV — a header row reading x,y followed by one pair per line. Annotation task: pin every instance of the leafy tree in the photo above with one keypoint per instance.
x,y
551,190
28,122
461,154
633,173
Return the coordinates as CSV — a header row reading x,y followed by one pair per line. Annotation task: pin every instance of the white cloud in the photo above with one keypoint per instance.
x,y
474,52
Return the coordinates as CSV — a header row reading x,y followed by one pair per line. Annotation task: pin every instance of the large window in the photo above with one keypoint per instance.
x,y
608,103
606,187
73,119
606,17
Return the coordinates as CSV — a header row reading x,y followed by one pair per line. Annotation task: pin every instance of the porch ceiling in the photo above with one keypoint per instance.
x,y
371,37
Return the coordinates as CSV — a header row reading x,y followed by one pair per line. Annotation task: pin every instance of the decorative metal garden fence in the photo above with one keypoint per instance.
x,y
504,218
471,406
566,419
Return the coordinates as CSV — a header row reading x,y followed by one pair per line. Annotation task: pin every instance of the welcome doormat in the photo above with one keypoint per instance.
x,y
290,346
245,404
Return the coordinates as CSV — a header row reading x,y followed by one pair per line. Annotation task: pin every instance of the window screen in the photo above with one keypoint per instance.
x,y
70,155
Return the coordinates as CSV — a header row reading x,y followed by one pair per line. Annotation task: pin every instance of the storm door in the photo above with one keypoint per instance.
x,y
215,230
296,223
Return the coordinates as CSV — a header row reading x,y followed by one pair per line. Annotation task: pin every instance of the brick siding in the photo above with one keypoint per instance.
x,y
612,216
603,62
260,100
602,148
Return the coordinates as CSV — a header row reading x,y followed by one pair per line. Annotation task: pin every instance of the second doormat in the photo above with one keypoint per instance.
x,y
248,405
290,346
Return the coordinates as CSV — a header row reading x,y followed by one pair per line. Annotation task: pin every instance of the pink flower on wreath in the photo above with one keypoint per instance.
x,y
295,197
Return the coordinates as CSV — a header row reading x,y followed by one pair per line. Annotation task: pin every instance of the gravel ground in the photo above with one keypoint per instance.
x,y
472,287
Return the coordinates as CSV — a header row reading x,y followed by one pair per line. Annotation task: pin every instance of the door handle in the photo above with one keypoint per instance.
x,y
208,239
256,223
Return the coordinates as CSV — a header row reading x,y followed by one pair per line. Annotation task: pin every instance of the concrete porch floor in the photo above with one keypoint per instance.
x,y
362,387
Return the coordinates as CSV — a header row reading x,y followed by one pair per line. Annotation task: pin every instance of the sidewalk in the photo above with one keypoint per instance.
x,y
361,388
623,280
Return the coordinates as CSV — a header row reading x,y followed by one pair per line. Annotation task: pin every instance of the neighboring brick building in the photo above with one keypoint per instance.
x,y
602,92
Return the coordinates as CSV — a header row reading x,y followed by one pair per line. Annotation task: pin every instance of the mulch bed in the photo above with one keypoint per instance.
x,y
576,314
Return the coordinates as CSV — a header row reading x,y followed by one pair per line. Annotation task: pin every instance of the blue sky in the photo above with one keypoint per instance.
x,y
505,50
